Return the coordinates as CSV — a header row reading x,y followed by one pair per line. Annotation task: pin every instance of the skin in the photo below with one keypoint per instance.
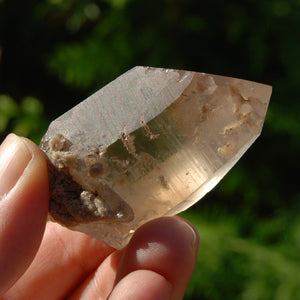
x,y
43,260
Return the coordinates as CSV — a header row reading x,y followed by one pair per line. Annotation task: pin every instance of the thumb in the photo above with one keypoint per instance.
x,y
23,206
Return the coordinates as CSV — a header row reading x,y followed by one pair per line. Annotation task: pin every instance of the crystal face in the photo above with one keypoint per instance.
x,y
150,143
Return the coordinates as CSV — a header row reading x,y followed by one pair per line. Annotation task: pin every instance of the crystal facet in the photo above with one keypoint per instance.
x,y
150,143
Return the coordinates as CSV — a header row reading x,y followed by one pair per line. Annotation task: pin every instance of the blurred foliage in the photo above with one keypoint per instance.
x,y
54,53
25,119
252,268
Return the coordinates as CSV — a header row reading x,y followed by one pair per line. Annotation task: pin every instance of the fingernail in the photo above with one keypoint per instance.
x,y
14,157
194,236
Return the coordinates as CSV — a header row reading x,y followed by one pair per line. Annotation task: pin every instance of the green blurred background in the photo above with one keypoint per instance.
x,y
54,53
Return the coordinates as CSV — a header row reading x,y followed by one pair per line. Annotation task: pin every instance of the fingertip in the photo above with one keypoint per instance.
x,y
167,246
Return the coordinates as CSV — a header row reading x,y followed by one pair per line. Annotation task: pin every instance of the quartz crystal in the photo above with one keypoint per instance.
x,y
151,143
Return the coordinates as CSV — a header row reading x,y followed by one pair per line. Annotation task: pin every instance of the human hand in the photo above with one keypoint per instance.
x,y
43,260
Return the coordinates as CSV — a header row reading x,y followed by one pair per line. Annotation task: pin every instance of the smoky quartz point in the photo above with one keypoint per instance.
x,y
151,143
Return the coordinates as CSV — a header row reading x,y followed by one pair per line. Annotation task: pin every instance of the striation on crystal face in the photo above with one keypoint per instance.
x,y
150,143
